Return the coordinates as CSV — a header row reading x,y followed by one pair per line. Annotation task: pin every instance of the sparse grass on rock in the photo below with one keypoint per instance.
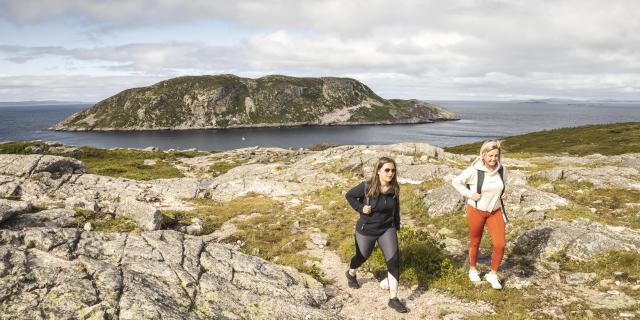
x,y
606,139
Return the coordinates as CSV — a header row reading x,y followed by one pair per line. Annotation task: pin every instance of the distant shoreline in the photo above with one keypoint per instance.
x,y
248,126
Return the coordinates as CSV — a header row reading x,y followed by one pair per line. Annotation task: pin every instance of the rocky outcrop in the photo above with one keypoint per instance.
x,y
226,101
52,180
579,240
71,274
600,177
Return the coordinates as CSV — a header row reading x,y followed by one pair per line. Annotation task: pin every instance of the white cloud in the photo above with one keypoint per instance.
x,y
454,48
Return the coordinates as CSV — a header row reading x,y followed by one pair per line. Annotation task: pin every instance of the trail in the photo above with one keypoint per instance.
x,y
370,301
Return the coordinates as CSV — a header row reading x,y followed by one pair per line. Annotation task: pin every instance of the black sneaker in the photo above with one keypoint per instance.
x,y
352,281
397,305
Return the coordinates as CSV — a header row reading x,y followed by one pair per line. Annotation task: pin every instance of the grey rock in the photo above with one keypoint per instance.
x,y
195,228
149,162
454,316
578,240
614,300
10,208
146,216
516,282
70,151
52,218
599,176
546,187
445,199
34,149
555,312
580,278
152,149
161,274
535,216
319,239
454,246
53,143
9,187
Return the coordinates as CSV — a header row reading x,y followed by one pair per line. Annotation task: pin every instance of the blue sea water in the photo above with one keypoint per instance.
x,y
480,121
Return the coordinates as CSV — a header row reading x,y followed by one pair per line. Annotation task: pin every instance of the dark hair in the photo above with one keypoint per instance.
x,y
374,189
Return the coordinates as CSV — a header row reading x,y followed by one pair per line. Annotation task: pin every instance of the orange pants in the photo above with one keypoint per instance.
x,y
476,219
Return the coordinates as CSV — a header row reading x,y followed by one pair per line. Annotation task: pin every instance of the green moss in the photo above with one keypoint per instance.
x,y
606,139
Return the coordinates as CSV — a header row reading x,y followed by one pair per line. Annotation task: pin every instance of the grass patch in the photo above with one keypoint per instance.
x,y
214,213
606,139
611,203
606,264
103,223
123,163
273,238
508,303
221,167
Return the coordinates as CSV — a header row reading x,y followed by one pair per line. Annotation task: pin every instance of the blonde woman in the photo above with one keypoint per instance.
x,y
482,184
378,204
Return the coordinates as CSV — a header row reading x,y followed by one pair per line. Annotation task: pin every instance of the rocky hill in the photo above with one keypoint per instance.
x,y
228,101
225,237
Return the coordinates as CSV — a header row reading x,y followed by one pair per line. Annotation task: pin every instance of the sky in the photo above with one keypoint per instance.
x,y
88,50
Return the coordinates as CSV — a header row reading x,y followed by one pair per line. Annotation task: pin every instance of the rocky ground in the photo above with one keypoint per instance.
x,y
222,241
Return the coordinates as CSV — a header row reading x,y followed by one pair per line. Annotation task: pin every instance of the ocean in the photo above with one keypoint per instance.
x,y
481,120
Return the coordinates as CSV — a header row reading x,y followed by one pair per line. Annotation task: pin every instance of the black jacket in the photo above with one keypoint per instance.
x,y
385,211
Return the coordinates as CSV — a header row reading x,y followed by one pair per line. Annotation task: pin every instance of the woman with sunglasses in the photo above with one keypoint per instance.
x,y
378,203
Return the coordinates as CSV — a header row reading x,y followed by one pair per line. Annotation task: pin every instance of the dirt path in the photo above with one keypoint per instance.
x,y
370,301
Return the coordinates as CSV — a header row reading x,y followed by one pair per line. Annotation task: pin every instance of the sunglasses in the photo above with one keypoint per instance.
x,y
387,170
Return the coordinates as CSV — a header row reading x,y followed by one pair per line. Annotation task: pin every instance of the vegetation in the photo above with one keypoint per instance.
x,y
606,139
124,163
104,222
610,205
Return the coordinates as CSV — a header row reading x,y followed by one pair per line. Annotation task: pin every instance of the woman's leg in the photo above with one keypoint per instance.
x,y
496,227
475,223
388,243
364,247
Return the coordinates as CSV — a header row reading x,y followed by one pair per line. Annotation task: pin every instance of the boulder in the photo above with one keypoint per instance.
x,y
443,200
145,215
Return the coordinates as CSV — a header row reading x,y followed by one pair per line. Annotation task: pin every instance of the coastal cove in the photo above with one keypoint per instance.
x,y
480,120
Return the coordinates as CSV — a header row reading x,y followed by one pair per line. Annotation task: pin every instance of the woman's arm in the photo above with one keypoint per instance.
x,y
460,182
355,197
396,213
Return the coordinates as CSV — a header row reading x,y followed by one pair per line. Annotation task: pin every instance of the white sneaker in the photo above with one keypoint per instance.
x,y
492,278
384,284
474,275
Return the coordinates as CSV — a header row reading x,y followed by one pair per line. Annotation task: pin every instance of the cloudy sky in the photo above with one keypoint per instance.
x,y
87,50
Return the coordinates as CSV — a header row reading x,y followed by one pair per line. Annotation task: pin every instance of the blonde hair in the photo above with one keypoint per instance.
x,y
489,146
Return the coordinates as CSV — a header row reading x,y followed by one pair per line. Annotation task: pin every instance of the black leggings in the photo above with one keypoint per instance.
x,y
388,243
